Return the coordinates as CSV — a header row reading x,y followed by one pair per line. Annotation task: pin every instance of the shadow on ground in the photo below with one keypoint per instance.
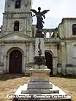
x,y
4,77
65,76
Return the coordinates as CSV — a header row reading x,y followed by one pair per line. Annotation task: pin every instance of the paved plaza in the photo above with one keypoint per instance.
x,y
10,83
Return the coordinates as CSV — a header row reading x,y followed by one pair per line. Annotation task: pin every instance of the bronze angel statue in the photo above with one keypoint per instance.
x,y
40,16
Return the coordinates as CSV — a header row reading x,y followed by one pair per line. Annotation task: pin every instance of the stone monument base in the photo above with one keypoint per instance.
x,y
40,74
40,89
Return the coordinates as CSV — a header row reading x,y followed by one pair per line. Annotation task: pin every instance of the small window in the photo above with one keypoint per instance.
x,y
16,26
74,29
18,4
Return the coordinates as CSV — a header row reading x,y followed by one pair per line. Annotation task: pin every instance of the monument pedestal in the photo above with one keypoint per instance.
x,y
39,82
40,89
41,74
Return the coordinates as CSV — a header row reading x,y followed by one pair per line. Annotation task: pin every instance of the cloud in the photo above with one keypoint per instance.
x,y
58,10
52,22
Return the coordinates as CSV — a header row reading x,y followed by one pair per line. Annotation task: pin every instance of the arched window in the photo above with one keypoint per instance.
x,y
18,4
16,26
74,29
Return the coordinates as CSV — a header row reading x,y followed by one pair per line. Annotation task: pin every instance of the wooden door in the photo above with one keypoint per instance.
x,y
15,62
49,61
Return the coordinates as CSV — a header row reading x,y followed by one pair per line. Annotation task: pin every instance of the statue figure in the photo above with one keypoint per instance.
x,y
40,16
40,51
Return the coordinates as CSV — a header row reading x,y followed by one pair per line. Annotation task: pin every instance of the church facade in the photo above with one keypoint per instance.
x,y
17,42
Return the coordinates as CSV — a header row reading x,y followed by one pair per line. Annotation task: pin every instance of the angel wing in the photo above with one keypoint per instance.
x,y
34,11
45,11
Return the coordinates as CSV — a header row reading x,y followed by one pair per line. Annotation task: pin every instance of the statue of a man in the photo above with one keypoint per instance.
x,y
40,16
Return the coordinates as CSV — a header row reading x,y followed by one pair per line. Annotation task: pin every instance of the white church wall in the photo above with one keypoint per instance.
x,y
71,58
25,6
8,47
68,53
22,14
53,48
71,53
27,55
69,24
1,60
61,30
65,28
8,26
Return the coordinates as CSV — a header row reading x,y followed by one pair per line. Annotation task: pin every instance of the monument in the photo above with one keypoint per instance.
x,y
39,88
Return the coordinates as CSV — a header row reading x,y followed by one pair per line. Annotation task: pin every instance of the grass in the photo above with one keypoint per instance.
x,y
9,84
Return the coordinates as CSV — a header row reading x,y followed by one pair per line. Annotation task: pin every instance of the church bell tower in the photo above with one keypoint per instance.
x,y
17,17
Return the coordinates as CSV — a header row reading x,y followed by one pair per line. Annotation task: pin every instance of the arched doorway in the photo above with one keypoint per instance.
x,y
15,62
49,60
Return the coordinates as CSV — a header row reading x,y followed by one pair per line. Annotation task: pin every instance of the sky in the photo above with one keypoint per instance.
x,y
58,9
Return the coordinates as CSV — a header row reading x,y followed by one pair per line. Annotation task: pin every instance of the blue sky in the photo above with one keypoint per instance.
x,y
58,10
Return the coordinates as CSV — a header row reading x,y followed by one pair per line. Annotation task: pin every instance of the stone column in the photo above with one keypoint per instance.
x,y
63,69
39,59
54,65
39,53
